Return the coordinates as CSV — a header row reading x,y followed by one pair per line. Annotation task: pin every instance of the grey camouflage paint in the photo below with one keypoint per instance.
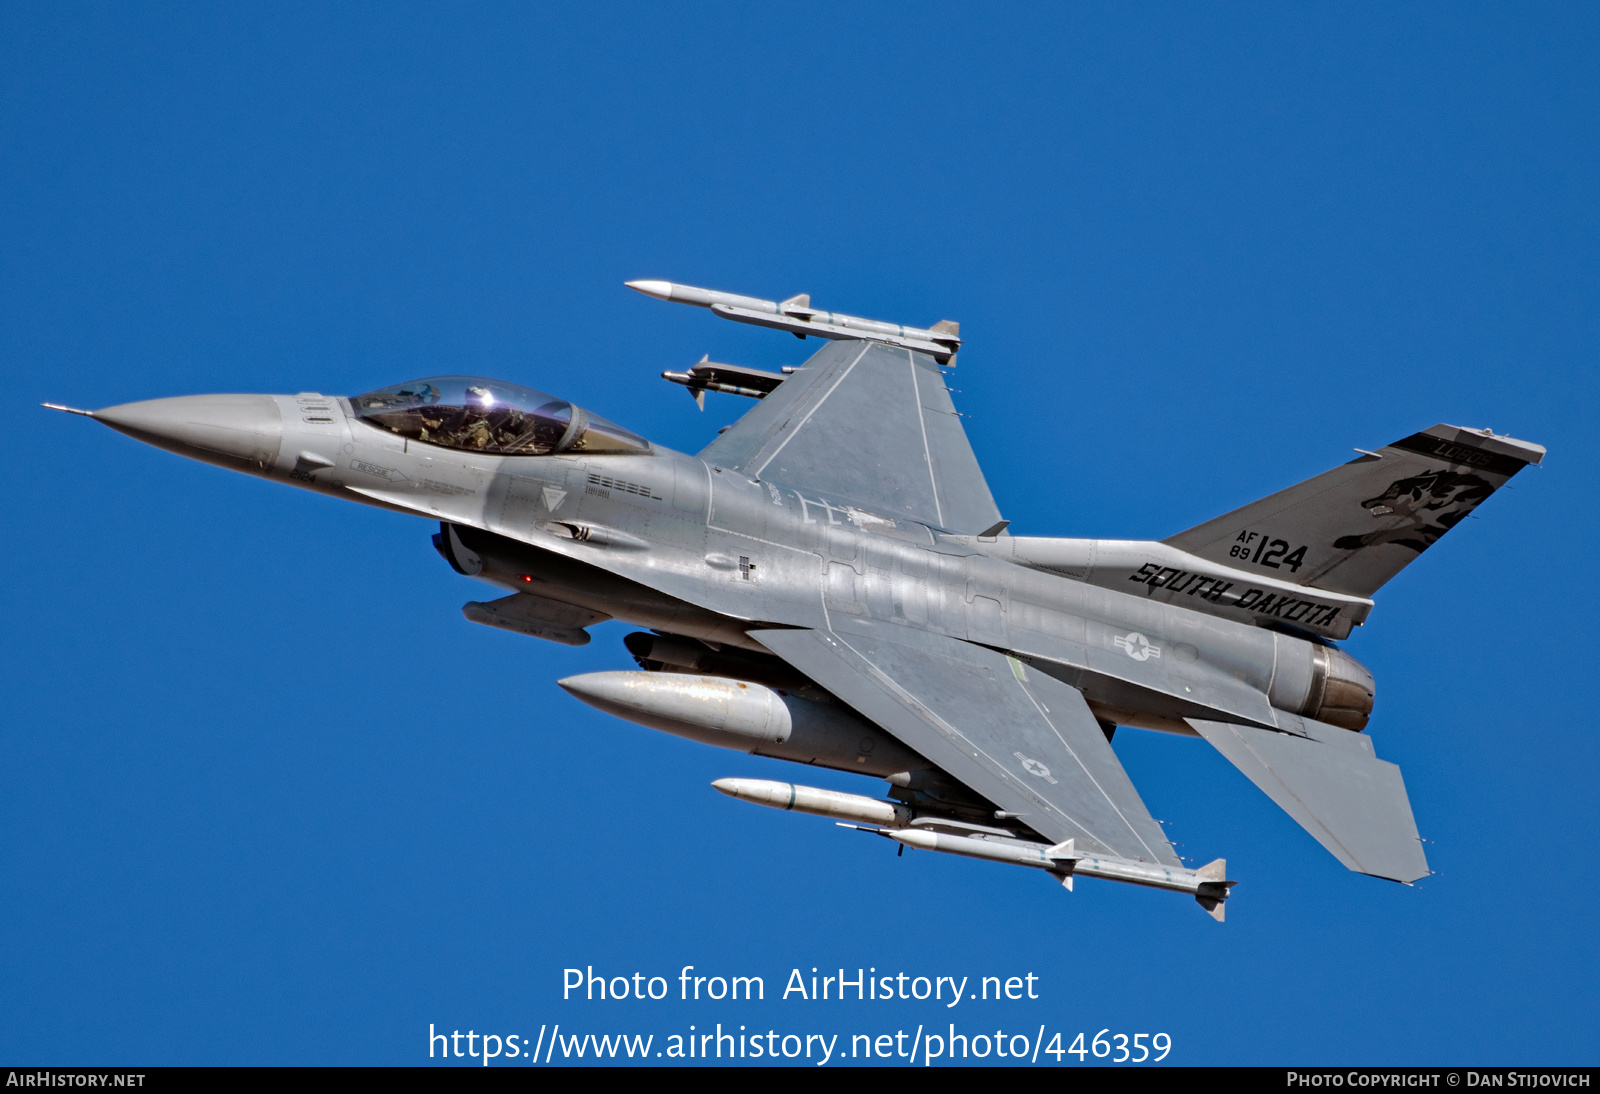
x,y
835,532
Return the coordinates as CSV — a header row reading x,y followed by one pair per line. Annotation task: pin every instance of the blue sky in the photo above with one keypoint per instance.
x,y
270,799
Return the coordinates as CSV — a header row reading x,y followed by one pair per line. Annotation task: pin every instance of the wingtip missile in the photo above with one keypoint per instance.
x,y
701,298
892,820
1207,884
798,317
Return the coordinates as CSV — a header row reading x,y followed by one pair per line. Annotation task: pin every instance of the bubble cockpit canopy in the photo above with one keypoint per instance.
x,y
492,416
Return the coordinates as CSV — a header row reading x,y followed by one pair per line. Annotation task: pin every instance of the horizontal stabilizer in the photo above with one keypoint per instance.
x,y
1353,803
1351,529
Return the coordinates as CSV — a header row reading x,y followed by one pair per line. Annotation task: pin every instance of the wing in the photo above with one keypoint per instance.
x,y
867,424
1021,739
1330,782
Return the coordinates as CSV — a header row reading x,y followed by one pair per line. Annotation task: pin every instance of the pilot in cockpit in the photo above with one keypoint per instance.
x,y
491,416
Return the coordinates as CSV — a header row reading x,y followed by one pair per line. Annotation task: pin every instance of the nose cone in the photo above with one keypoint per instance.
x,y
241,432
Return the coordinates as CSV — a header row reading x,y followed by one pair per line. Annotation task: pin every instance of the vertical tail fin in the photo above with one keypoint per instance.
x,y
1351,529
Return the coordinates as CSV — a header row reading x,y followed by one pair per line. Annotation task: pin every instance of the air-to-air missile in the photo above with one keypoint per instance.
x,y
896,821
822,803
798,317
708,375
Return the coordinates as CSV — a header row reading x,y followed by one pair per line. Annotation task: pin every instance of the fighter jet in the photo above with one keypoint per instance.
x,y
830,582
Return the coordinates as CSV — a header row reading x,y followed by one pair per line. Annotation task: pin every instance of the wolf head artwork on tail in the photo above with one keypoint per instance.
x,y
1433,503
1363,522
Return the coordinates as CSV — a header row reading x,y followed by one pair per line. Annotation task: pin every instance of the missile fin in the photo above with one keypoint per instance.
x,y
1065,851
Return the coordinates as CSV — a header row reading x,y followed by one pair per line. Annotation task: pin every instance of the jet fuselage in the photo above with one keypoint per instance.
x,y
667,541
